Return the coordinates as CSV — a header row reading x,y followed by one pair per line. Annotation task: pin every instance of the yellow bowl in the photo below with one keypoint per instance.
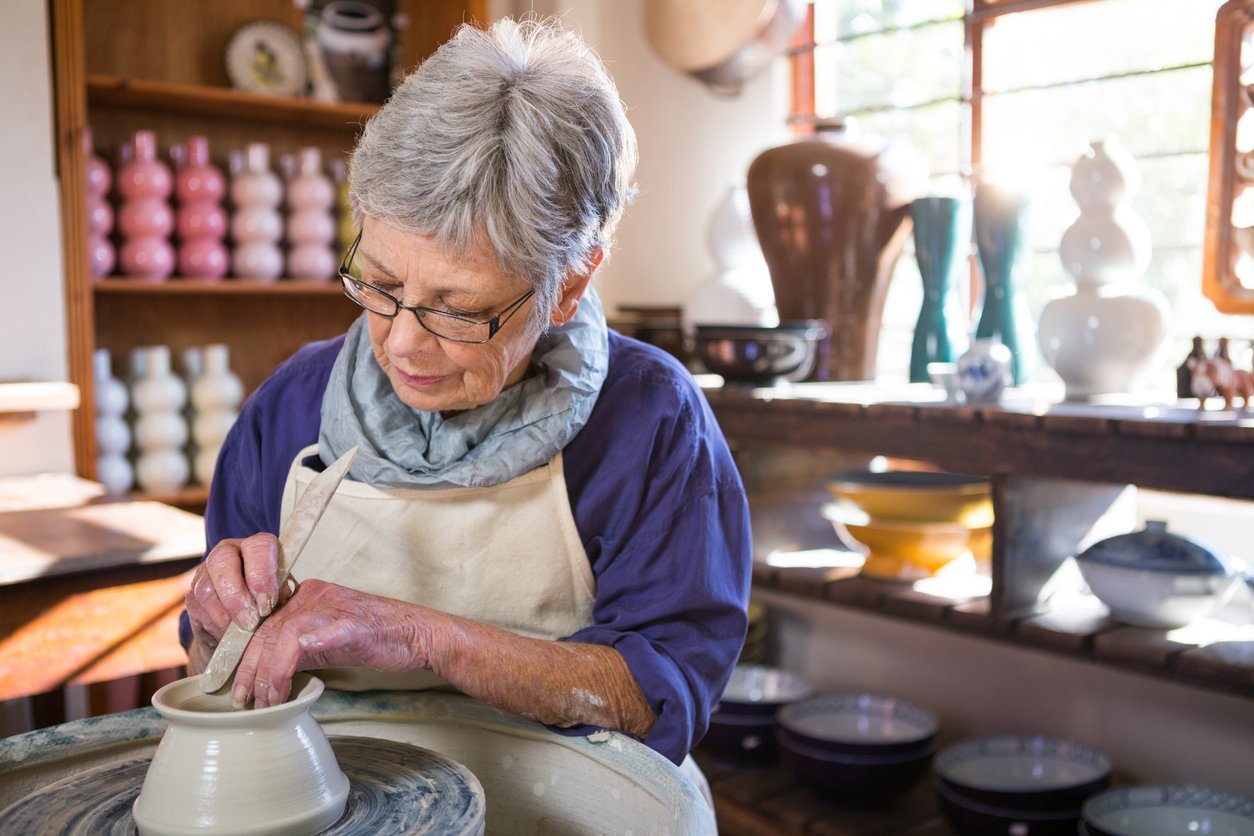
x,y
924,546
917,496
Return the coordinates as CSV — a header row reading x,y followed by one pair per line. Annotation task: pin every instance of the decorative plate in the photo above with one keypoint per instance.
x,y
266,56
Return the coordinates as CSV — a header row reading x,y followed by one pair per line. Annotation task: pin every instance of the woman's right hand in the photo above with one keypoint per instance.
x,y
236,582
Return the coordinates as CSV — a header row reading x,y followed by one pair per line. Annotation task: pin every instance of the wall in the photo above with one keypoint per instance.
x,y
693,144
32,310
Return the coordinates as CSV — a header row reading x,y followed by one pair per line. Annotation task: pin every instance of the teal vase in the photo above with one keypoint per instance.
x,y
942,242
1001,239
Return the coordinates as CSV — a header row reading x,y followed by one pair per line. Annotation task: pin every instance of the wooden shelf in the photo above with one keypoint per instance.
x,y
229,286
1163,446
235,105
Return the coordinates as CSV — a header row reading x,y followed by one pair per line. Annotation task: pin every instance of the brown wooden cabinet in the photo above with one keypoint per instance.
x,y
127,65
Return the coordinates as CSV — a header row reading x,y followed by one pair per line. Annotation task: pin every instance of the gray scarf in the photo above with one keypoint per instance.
x,y
524,427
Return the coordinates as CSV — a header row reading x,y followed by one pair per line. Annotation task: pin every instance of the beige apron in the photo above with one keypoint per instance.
x,y
508,555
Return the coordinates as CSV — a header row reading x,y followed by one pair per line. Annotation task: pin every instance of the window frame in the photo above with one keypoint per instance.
x,y
1217,283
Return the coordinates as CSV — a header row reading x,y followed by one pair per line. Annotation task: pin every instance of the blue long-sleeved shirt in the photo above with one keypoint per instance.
x,y
656,498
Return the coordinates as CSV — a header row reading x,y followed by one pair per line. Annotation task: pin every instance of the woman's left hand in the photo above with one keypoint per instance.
x,y
327,625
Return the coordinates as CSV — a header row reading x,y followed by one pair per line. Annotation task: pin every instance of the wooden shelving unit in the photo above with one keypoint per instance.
x,y
203,100
1068,459
144,64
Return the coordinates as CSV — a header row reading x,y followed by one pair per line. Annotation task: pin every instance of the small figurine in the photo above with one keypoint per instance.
x,y
1216,376
1184,385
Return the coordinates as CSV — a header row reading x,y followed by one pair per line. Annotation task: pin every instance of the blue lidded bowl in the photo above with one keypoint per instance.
x,y
1154,578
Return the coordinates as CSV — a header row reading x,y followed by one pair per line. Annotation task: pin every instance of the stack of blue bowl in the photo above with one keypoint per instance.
x,y
856,748
1025,785
742,727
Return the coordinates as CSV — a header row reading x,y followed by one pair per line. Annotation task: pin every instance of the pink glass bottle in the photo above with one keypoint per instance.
x,y
100,253
256,224
201,221
145,219
311,223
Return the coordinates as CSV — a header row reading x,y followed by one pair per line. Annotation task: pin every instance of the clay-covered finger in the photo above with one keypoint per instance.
x,y
261,559
225,568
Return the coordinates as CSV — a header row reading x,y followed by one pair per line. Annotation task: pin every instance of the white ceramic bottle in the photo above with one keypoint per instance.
x,y
113,436
311,228
1104,334
160,427
215,395
256,224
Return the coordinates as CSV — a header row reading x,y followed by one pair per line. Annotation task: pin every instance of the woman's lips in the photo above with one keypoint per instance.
x,y
419,381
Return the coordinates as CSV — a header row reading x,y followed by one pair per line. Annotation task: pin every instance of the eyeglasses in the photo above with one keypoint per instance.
x,y
445,325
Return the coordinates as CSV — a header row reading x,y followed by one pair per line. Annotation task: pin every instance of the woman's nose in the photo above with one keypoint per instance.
x,y
407,337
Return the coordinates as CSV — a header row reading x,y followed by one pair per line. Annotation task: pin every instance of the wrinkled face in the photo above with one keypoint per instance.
x,y
427,372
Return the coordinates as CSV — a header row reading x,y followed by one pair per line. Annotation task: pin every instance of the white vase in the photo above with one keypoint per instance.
x,y
216,396
160,427
1103,335
740,290
113,436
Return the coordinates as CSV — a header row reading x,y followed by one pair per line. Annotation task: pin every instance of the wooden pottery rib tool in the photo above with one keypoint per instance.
x,y
305,515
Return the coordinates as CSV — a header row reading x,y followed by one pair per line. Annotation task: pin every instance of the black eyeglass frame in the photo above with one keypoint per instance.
x,y
494,324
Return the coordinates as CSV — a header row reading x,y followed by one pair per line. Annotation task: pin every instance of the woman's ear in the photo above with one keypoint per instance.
x,y
573,289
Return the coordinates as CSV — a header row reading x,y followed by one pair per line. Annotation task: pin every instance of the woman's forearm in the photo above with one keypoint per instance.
x,y
557,683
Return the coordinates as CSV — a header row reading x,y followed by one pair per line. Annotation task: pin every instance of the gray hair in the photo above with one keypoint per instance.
x,y
515,135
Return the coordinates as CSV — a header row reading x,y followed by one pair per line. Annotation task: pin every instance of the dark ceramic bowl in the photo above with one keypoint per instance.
x,y
973,818
759,354
742,727
866,779
858,724
1022,773
1163,809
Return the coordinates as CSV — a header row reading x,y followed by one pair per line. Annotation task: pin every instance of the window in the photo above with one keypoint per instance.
x,y
1018,88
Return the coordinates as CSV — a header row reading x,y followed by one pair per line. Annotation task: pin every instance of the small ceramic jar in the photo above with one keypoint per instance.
x,y
985,371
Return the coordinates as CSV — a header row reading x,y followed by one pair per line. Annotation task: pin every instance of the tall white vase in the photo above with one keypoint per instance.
x,y
113,435
216,395
160,426
1104,334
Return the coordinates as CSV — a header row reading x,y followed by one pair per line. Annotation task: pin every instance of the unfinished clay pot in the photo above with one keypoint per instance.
x,y
217,770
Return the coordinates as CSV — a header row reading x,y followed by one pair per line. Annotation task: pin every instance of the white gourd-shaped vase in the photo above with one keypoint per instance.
x,y
113,435
740,290
256,223
1104,335
311,228
216,395
160,427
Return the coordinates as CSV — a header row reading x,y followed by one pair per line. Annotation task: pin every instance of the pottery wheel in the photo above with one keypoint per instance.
x,y
393,788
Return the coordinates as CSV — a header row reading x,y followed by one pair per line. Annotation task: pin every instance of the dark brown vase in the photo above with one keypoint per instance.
x,y
832,215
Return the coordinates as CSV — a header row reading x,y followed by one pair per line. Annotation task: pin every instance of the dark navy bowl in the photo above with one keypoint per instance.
x,y
859,724
973,818
1022,773
742,727
860,779
1165,810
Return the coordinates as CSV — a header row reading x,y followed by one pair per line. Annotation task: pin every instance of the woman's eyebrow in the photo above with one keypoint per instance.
x,y
378,265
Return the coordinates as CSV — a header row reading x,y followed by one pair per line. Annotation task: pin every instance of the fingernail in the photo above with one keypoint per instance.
x,y
239,696
264,604
307,640
247,620
273,696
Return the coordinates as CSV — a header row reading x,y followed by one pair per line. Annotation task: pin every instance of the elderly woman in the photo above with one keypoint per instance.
x,y
543,514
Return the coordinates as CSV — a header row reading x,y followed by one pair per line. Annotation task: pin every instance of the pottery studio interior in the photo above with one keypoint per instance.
x,y
928,326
